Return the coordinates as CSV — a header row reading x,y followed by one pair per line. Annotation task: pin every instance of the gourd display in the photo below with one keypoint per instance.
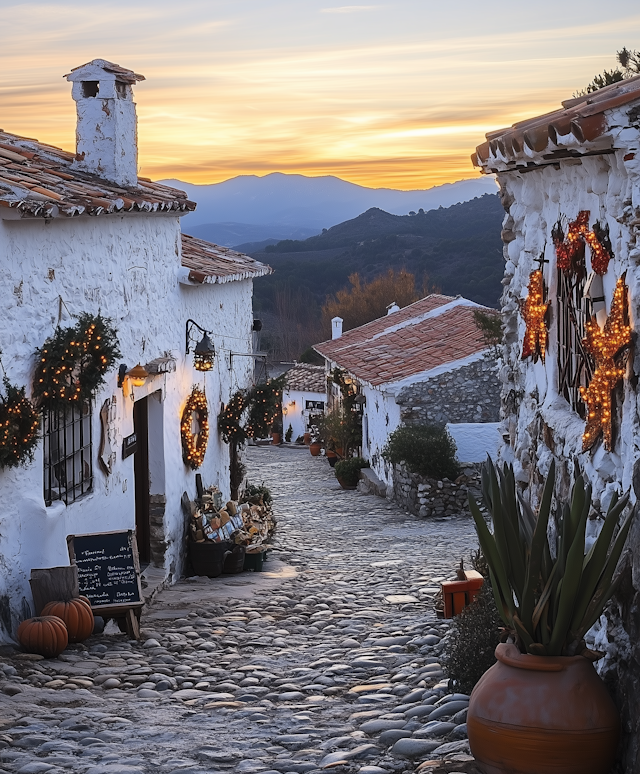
x,y
77,616
45,635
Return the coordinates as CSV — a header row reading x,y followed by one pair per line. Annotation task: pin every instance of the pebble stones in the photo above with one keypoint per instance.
x,y
321,672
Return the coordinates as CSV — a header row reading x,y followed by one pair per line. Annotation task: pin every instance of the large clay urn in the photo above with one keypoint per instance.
x,y
542,715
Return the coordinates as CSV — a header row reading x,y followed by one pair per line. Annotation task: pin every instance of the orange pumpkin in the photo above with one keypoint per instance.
x,y
45,635
76,614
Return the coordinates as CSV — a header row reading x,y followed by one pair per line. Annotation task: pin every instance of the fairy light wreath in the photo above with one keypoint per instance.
x,y
534,311
19,423
570,250
72,363
605,345
194,445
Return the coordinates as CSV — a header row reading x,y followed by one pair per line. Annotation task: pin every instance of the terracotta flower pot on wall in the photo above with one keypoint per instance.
x,y
542,715
315,448
306,439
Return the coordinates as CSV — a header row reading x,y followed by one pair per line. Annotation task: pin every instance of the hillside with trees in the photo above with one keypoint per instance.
x,y
455,250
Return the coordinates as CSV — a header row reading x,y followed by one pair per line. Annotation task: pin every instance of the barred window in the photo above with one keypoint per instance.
x,y
68,466
575,365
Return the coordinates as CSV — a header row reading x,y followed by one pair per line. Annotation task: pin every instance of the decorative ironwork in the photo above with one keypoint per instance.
x,y
68,443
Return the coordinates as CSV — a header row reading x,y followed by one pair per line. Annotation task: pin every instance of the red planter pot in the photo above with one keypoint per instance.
x,y
542,715
276,439
315,448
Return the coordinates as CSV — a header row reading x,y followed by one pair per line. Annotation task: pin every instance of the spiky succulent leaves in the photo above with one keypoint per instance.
x,y
570,584
505,537
542,604
533,581
596,560
501,588
606,585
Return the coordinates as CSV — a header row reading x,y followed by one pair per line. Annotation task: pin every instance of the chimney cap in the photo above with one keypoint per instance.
x,y
98,69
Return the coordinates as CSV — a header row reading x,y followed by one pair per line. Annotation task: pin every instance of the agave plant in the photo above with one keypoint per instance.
x,y
548,593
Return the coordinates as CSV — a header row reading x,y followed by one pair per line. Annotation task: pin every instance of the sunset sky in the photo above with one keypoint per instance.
x,y
384,94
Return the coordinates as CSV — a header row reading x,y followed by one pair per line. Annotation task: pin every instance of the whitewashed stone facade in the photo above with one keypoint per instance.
x,y
127,265
583,157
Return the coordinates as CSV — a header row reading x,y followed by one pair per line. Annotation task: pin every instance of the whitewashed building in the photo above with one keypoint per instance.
x,y
81,232
303,398
570,185
424,364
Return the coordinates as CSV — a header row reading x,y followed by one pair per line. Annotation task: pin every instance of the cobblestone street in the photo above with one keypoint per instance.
x,y
330,662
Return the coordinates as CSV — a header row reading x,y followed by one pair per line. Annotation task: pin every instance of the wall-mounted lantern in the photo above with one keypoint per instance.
x,y
136,375
204,352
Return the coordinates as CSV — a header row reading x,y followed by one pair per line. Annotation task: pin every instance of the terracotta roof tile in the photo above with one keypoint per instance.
x,y
433,332
214,264
38,181
307,378
580,126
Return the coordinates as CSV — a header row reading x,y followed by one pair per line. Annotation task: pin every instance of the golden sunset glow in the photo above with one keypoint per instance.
x,y
394,95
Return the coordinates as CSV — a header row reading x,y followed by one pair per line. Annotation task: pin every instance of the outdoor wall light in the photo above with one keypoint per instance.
x,y
204,352
137,375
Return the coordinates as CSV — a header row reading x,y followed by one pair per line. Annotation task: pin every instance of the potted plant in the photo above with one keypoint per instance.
x,y
342,432
348,471
276,432
288,435
542,707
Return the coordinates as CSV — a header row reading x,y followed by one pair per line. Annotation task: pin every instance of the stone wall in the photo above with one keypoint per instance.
x,y
430,497
157,506
467,394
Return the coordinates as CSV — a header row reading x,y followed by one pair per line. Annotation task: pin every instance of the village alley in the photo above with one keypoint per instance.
x,y
331,662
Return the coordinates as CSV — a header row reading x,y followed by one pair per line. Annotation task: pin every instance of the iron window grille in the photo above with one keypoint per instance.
x,y
68,464
575,365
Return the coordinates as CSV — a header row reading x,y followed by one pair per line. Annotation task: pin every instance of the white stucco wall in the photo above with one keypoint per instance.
x,y
381,417
126,267
609,187
474,440
294,402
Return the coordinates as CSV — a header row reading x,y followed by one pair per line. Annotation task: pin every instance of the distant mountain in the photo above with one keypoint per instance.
x,y
457,249
313,203
239,234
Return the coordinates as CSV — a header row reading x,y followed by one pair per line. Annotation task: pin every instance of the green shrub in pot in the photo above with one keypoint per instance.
x,y
348,471
548,592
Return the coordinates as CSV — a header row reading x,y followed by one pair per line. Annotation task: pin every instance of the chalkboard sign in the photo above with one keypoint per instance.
x,y
108,568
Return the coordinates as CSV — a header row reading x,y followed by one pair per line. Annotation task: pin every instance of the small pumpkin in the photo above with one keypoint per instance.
x,y
76,614
45,635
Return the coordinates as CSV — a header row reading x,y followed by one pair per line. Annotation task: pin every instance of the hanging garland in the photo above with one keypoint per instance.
x,y
570,251
19,423
534,311
605,345
73,362
260,405
194,445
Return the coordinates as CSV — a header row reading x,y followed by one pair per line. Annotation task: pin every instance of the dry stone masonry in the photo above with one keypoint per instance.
x,y
429,497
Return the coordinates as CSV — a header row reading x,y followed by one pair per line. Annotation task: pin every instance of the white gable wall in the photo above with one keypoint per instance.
x,y
381,418
126,267
294,402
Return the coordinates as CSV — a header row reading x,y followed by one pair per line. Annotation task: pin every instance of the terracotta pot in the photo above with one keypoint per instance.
x,y
332,457
275,439
314,448
344,484
306,438
542,715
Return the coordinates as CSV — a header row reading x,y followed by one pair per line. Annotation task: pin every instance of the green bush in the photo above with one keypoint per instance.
x,y
349,470
254,492
425,449
473,636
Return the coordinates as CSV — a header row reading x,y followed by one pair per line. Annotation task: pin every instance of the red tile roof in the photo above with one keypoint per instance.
x,y
39,181
211,263
435,331
580,127
307,378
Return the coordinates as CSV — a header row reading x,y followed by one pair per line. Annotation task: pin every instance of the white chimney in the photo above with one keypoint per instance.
x,y
393,307
336,327
106,132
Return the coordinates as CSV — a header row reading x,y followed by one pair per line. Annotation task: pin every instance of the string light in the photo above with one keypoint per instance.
x,y
570,251
604,344
534,311
194,445
19,423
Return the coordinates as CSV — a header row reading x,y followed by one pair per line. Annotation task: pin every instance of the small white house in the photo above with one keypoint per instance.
x,y
82,233
425,363
303,398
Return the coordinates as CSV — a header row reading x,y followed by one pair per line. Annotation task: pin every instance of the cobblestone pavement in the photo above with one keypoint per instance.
x,y
335,669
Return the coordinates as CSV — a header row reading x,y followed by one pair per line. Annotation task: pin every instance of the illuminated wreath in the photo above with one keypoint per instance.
x,y
194,445
19,423
72,363
570,250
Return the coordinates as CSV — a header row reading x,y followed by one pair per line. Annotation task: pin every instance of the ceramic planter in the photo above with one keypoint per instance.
x,y
275,439
345,485
314,448
542,715
306,439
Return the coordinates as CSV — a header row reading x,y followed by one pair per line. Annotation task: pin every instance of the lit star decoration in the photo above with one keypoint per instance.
x,y
604,344
570,251
194,445
534,311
